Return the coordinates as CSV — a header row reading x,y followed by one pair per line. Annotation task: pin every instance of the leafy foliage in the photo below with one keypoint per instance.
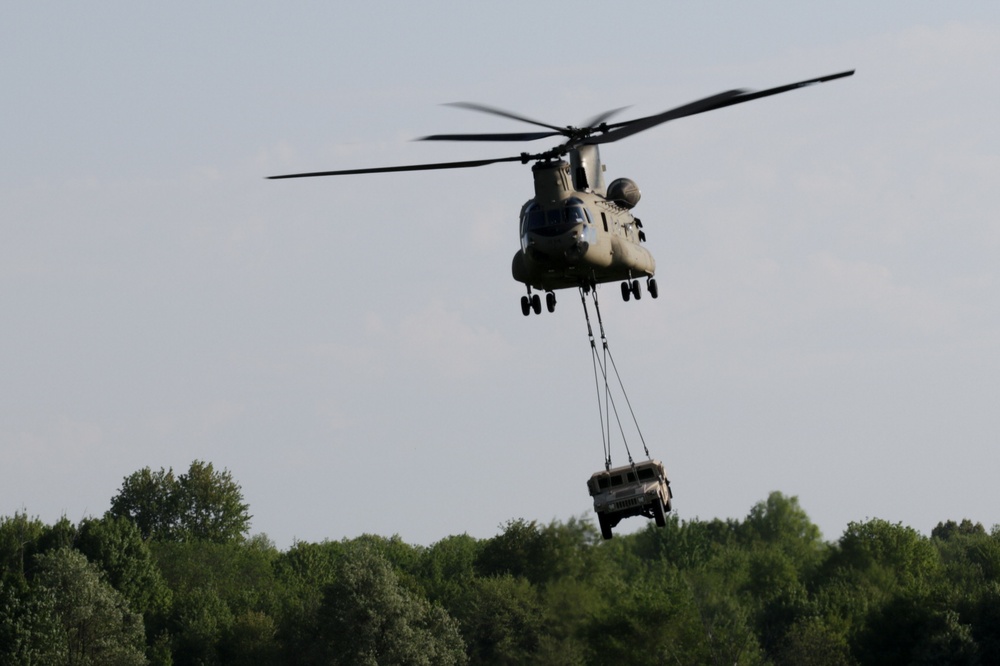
x,y
201,504
95,623
169,576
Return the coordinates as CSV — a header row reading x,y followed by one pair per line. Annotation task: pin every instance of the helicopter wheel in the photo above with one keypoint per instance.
x,y
626,292
635,290
536,304
550,301
652,288
525,306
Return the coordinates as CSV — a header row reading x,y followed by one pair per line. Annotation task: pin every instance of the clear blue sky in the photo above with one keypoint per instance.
x,y
352,349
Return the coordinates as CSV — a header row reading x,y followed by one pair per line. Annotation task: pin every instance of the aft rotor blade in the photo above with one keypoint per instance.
x,y
472,106
504,136
408,167
750,95
597,120
630,127
729,98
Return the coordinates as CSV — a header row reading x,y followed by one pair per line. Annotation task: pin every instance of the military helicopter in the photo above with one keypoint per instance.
x,y
575,231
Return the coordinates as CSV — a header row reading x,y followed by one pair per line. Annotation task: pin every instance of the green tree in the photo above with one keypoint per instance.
x,y
909,630
368,617
150,500
810,641
97,625
30,632
650,618
779,521
117,547
898,551
447,568
540,554
199,621
302,573
242,574
19,541
211,505
501,620
251,640
201,504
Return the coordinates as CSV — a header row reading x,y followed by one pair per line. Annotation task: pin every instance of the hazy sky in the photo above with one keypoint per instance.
x,y
352,349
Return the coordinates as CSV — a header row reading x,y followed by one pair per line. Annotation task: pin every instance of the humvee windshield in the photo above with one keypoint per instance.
x,y
614,480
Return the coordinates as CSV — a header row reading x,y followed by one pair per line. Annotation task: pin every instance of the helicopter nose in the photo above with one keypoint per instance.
x,y
577,249
571,243
582,237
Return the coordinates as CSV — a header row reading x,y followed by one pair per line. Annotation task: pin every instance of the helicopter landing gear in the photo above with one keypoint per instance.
x,y
631,290
550,301
533,302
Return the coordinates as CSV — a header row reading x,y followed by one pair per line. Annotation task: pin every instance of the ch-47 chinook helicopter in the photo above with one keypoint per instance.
x,y
577,232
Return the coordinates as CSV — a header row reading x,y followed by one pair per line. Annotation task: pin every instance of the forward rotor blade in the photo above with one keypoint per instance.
x,y
505,136
505,114
729,98
409,167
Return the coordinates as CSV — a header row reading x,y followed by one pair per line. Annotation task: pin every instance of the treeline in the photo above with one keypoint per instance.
x,y
170,576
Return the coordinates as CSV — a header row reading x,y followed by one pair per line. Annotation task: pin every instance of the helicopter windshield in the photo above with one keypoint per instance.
x,y
555,220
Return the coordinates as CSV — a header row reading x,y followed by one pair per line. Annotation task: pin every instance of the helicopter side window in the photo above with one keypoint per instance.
x,y
576,214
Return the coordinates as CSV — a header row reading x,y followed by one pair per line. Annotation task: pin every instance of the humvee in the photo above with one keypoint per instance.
x,y
639,489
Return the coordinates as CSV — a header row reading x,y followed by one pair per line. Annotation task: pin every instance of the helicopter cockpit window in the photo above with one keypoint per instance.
x,y
534,217
575,212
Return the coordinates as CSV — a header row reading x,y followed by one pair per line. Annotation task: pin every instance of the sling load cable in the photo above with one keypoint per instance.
x,y
607,350
607,389
605,439
603,365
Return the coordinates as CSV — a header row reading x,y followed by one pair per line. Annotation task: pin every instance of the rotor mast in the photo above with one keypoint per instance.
x,y
587,170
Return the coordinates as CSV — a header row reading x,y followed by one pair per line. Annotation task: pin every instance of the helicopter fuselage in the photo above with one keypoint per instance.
x,y
573,236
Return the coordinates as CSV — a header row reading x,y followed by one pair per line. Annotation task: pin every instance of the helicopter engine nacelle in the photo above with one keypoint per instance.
x,y
624,192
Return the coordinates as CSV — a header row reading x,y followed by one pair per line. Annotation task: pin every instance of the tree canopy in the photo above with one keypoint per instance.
x,y
201,504
169,575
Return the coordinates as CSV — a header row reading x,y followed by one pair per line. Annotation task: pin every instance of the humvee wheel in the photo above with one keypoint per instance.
x,y
605,527
658,515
